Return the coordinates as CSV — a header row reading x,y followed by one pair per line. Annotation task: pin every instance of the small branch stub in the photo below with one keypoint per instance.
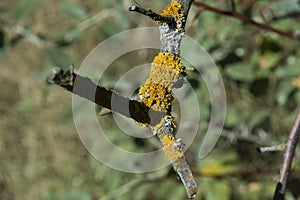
x,y
280,147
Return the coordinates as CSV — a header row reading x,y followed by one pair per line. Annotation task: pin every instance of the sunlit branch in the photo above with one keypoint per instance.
x,y
101,96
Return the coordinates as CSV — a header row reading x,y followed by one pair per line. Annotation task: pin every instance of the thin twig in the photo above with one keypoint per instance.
x,y
291,144
280,147
30,36
198,13
95,19
232,5
236,15
122,189
156,17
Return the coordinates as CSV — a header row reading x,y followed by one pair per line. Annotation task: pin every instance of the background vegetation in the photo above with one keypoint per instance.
x,y
40,152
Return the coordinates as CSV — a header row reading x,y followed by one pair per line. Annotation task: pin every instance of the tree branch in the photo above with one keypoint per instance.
x,y
87,89
236,15
156,17
155,95
288,156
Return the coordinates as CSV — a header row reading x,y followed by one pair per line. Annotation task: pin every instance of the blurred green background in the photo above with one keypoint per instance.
x,y
41,154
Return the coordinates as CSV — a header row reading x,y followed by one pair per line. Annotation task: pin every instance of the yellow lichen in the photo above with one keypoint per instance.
x,y
165,71
167,140
296,82
177,162
170,152
191,176
173,9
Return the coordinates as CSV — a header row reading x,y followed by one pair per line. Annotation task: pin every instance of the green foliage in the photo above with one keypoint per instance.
x,y
25,8
240,72
73,195
57,57
73,10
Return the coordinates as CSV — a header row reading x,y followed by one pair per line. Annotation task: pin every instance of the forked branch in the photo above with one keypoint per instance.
x,y
155,95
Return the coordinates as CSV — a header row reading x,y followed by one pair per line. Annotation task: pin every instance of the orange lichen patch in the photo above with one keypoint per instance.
x,y
296,82
166,70
173,9
192,192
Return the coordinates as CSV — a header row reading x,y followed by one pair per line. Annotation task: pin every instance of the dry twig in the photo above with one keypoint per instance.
x,y
288,156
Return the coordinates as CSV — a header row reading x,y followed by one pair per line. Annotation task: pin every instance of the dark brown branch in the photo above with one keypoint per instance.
x,y
86,88
236,15
156,17
291,144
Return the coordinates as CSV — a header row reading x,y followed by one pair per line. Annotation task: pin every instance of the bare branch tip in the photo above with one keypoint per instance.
x,y
132,8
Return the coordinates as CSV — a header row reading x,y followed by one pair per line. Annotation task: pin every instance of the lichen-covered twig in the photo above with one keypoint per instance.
x,y
155,96
156,17
288,156
166,70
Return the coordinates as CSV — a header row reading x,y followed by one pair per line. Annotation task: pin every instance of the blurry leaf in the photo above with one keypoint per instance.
x,y
218,166
283,92
73,10
297,97
142,192
115,25
216,189
73,33
257,118
240,72
43,74
229,58
292,69
233,117
26,104
269,45
73,195
25,8
259,87
122,19
283,7
4,43
268,60
57,57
